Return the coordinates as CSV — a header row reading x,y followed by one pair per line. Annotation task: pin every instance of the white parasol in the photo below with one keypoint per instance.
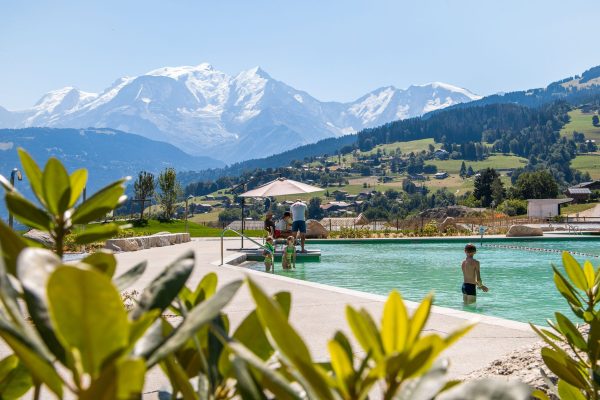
x,y
281,187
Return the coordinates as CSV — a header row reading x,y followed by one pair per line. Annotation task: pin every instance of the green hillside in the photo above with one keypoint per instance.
x,y
588,163
581,122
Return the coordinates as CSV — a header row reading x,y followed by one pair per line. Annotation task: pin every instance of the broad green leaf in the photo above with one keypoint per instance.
x,y
199,316
130,378
538,394
574,271
566,391
274,320
423,354
246,384
26,212
427,386
119,380
97,232
344,343
206,288
178,378
419,319
99,204
564,368
40,369
165,287
88,314
394,324
288,342
130,276
11,246
588,271
565,288
15,380
268,377
545,336
33,270
56,186
457,334
571,332
103,260
33,173
342,366
363,332
138,328
77,180
284,299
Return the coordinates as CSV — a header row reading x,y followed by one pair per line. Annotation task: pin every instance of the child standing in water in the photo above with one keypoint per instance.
x,y
471,275
269,253
289,253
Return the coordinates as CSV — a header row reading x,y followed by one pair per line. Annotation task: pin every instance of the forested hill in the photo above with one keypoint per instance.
x,y
325,146
574,90
473,124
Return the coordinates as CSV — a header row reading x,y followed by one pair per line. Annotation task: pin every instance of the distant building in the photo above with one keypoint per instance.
x,y
441,175
593,185
441,154
578,194
417,177
545,208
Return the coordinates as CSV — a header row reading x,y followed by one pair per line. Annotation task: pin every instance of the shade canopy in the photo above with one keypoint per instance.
x,y
281,187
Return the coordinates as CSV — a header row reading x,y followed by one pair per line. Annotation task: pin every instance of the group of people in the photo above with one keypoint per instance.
x,y
291,226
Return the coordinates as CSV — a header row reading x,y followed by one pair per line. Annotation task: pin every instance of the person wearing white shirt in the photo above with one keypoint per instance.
x,y
299,210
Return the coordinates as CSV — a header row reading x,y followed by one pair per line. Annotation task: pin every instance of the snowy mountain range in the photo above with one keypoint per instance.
x,y
204,111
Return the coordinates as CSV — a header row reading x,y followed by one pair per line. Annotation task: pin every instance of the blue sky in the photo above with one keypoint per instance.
x,y
333,49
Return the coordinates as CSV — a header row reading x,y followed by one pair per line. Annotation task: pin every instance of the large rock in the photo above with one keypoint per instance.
x,y
524,230
40,237
315,230
147,242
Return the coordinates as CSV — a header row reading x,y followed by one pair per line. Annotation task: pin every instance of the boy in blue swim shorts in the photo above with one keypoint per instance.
x,y
471,276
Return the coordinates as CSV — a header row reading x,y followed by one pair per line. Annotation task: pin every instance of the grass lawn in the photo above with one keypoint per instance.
x,y
406,147
195,230
581,122
588,163
575,208
497,161
206,217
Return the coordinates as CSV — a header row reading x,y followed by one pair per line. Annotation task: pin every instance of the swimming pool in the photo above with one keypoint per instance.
x,y
520,282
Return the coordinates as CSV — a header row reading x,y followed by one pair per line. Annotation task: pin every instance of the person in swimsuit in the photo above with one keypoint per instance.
x,y
269,253
471,276
289,254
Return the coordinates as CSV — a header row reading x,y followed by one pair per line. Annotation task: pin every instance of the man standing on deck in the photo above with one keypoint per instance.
x,y
299,210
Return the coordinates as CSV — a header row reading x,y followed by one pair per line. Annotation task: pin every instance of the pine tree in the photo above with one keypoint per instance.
x,y
463,170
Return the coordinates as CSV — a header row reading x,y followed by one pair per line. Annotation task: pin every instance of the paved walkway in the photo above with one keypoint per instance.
x,y
318,310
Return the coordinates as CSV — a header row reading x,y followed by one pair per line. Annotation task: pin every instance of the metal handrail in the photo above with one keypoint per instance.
x,y
243,236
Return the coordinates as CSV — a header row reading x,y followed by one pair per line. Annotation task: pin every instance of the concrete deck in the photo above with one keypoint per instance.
x,y
318,310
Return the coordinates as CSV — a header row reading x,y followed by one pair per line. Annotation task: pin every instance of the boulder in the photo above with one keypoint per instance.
x,y
447,223
40,237
361,220
147,242
524,230
315,230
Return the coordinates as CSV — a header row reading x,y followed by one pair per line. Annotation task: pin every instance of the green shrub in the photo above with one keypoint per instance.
x,y
431,229
512,207
578,370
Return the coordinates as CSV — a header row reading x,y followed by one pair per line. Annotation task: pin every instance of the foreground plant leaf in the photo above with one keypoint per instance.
x,y
88,315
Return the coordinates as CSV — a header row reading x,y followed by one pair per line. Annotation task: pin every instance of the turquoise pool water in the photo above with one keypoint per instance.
x,y
520,282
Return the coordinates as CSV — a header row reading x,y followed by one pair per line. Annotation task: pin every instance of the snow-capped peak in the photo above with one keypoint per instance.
x,y
452,88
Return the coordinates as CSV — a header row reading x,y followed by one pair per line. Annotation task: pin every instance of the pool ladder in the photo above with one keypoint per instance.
x,y
242,236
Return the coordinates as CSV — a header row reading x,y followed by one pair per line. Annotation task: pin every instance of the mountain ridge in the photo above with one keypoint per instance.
x,y
207,112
